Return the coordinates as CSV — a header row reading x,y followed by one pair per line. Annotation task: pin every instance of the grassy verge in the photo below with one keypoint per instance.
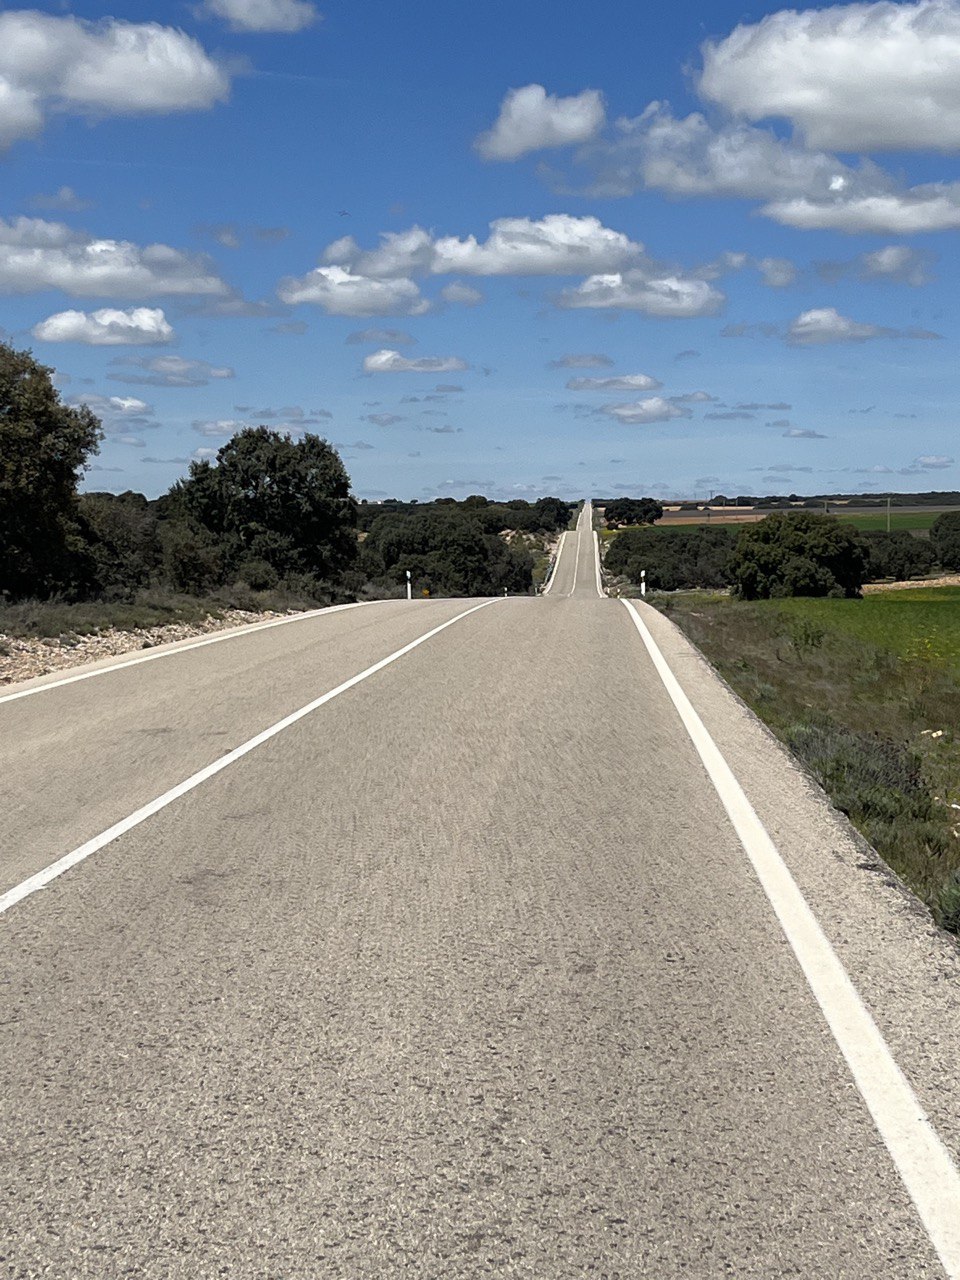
x,y
910,520
55,618
867,694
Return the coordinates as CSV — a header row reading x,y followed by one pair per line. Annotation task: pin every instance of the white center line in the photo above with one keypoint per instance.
x,y
923,1162
42,878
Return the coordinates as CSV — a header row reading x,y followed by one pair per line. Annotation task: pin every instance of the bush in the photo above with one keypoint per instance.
x,y
798,554
632,511
674,559
897,555
945,539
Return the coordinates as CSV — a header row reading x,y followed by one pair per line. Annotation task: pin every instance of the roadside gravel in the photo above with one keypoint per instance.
x,y
23,659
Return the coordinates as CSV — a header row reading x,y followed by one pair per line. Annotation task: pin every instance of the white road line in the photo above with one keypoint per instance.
x,y
556,560
232,634
44,877
923,1162
596,548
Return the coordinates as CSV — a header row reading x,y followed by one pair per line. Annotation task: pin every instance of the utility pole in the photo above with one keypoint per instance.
x,y
888,513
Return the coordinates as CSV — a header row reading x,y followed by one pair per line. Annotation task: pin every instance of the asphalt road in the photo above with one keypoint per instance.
x,y
465,972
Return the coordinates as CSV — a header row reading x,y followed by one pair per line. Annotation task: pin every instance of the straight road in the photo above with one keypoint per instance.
x,y
463,973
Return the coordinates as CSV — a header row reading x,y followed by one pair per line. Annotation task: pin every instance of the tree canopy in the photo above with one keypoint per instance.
x,y
44,445
798,554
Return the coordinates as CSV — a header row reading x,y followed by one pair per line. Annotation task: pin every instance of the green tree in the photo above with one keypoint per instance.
x,y
897,554
44,445
268,500
945,539
632,511
798,554
674,559
121,530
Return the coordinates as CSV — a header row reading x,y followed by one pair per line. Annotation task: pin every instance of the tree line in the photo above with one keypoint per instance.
x,y
797,553
269,512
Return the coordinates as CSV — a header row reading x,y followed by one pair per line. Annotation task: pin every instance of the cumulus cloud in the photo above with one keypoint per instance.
x,y
138,326
343,293
586,361
692,397
558,244
898,263
857,77
166,371
803,433
396,337
286,16
653,409
65,64
530,119
932,207
730,415
119,415
626,382
668,296
37,255
386,361
826,324
456,292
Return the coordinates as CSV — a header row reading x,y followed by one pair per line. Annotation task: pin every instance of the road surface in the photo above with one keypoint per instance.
x,y
463,972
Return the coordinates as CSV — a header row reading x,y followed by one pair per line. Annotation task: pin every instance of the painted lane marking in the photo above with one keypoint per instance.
x,y
42,878
553,571
923,1162
230,634
596,539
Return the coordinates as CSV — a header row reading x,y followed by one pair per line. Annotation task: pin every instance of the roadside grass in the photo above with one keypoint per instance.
x,y
866,693
45,619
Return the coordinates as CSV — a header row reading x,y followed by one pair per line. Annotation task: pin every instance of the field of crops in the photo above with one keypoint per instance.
x,y
898,519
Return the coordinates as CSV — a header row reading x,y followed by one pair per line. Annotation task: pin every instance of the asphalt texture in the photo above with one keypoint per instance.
x,y
463,974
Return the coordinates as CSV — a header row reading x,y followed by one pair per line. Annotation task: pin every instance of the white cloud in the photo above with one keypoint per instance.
x,y
139,326
897,263
626,382
558,244
933,207
653,409
530,119
167,371
586,361
857,77
222,429
393,362
37,255
383,419
203,454
64,64
341,293
825,324
803,433
669,296
777,273
934,462
463,294
287,16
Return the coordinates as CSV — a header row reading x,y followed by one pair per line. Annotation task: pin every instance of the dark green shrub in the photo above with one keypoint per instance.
x,y
897,554
674,559
945,539
798,554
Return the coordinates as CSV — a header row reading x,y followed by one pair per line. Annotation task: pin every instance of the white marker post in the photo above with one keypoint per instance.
x,y
643,582
409,587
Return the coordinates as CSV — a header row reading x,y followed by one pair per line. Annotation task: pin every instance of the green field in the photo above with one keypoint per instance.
x,y
898,519
923,620
867,694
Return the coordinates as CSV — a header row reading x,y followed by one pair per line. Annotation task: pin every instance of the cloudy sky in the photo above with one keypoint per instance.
x,y
508,248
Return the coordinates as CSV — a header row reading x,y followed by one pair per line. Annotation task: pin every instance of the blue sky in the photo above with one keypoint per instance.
x,y
509,248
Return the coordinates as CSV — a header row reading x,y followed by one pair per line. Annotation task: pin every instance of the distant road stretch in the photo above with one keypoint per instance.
x,y
449,939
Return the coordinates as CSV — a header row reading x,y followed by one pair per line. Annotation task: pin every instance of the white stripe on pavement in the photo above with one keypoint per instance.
x,y
556,560
42,878
923,1162
167,652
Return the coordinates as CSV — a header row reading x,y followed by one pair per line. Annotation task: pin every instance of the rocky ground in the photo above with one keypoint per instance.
x,y
23,659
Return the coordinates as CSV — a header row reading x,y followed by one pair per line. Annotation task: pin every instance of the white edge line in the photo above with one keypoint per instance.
x,y
42,878
229,633
596,539
923,1162
553,568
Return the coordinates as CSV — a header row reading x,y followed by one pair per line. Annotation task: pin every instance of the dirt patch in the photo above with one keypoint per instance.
x,y
947,580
